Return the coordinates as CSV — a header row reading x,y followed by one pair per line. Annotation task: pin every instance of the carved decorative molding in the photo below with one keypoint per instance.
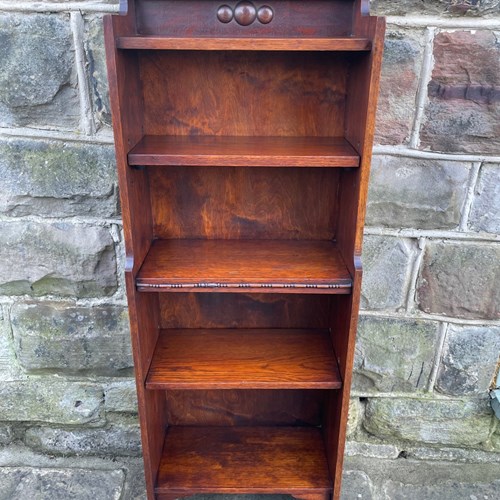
x,y
245,13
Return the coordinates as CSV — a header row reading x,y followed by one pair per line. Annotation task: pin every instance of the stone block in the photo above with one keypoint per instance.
x,y
445,8
56,179
358,448
394,354
444,489
61,259
96,70
469,359
401,65
51,400
114,440
355,485
460,280
416,193
386,269
355,416
18,483
37,72
60,336
121,397
485,213
6,434
444,422
463,112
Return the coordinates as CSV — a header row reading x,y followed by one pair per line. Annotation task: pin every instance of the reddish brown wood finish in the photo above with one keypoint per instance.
x,y
244,151
246,407
196,96
241,310
150,42
237,359
243,459
299,94
244,203
314,18
244,265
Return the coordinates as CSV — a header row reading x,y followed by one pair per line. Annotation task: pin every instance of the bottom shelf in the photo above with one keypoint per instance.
x,y
287,460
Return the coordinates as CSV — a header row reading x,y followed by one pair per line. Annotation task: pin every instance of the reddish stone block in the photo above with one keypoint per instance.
x,y
463,112
400,72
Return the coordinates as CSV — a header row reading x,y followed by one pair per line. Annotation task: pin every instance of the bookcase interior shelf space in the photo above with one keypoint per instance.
x,y
243,136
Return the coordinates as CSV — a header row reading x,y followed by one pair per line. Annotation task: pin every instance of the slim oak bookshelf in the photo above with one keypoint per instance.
x,y
243,135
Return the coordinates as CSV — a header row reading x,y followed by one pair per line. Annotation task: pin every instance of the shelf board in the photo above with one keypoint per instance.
x,y
244,359
243,460
287,266
152,42
244,151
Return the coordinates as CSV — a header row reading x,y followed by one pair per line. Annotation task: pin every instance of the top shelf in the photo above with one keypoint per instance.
x,y
141,42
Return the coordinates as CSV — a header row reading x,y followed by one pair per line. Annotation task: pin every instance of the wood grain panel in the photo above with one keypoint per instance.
x,y
240,151
241,310
244,93
199,18
243,460
269,44
237,359
234,203
245,266
245,407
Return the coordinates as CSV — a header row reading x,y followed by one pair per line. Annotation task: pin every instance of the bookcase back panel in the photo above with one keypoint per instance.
x,y
239,310
245,407
246,203
243,93
199,18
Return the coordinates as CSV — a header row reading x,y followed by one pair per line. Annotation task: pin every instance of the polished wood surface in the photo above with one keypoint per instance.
x,y
201,92
243,460
244,203
244,310
244,265
244,151
236,359
249,93
314,18
151,42
229,407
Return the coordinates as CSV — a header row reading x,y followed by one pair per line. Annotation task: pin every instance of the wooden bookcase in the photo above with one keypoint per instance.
x,y
243,139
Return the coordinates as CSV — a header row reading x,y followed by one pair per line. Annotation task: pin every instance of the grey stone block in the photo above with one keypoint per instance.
x,y
407,478
114,440
485,213
355,416
469,359
442,490
37,72
357,448
416,193
55,179
60,259
51,400
96,70
401,65
386,271
355,485
453,422
393,354
446,8
21,483
121,397
460,280
63,337
6,434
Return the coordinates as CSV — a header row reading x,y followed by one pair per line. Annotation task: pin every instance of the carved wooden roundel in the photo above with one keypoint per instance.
x,y
245,13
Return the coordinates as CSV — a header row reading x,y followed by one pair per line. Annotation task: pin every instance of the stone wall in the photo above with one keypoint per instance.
x,y
429,332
